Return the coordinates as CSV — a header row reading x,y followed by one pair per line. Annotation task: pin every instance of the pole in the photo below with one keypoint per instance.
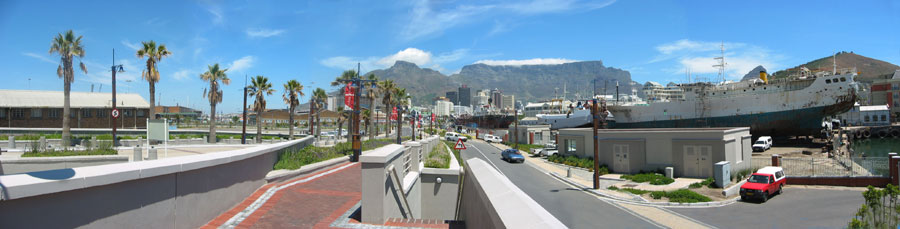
x,y
399,124
516,116
244,128
357,145
114,118
596,147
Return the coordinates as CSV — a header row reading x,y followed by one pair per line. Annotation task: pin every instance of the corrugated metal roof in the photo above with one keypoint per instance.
x,y
30,98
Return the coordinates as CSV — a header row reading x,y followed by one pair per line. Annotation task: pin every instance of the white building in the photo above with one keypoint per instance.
x,y
533,109
462,110
877,115
508,101
442,108
656,92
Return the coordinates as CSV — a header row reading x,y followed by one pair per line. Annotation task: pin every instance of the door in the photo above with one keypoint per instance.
x,y
697,161
620,159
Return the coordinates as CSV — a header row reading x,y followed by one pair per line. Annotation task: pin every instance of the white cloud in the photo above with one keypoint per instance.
x,y
39,57
135,46
413,55
241,64
260,32
697,56
535,61
427,19
182,74
218,17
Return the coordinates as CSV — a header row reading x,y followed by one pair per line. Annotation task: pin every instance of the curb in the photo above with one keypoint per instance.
x,y
566,166
645,202
307,169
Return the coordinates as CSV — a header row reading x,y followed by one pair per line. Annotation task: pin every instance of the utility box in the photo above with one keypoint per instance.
x,y
722,173
670,172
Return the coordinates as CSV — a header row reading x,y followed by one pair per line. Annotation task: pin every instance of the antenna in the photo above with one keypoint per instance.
x,y
721,64
834,63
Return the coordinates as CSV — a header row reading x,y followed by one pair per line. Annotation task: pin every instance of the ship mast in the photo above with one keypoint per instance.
x,y
721,62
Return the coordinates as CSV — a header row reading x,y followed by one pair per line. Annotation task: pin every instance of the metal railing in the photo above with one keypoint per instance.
x,y
839,166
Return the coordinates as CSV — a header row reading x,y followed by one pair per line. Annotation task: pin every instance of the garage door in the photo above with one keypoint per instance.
x,y
620,159
697,161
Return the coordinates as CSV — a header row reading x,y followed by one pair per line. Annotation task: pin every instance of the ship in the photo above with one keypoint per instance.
x,y
486,120
791,106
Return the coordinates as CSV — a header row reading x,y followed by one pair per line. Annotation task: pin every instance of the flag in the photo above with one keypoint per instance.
x,y
394,114
432,117
348,97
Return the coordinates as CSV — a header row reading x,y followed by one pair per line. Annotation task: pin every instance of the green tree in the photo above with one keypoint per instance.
x,y
319,99
371,93
68,47
367,115
214,75
401,99
880,209
293,90
260,87
154,54
386,89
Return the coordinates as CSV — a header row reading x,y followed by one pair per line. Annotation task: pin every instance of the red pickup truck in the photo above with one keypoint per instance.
x,y
764,183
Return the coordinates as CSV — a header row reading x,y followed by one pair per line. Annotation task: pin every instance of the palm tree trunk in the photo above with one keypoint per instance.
x,y
259,126
318,124
399,125
212,123
372,112
340,129
312,109
66,135
291,123
152,100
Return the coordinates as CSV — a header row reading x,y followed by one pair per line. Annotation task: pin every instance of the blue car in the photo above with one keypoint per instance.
x,y
512,155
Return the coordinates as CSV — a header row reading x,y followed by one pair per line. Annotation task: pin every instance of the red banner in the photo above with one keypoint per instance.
x,y
394,114
348,96
432,117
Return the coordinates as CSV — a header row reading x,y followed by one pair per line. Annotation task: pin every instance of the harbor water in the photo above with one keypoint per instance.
x,y
876,147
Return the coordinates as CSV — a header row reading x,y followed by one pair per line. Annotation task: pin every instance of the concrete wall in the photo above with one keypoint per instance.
x,y
654,149
183,192
381,194
439,200
33,164
490,200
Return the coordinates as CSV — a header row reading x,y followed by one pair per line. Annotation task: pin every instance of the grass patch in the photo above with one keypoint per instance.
x,y
310,154
104,148
575,161
438,158
628,190
455,152
740,175
709,182
653,178
680,196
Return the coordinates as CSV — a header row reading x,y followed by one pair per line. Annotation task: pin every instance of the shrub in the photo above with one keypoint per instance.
x,y
680,196
657,194
653,178
709,182
575,161
879,210
613,188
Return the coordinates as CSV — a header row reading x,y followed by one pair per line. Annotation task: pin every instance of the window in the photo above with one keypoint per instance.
x,y
867,118
843,79
86,113
102,113
827,81
36,113
3,113
571,146
883,118
54,113
127,113
18,113
140,113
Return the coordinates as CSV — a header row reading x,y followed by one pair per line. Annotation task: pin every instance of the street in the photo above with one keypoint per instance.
x,y
576,209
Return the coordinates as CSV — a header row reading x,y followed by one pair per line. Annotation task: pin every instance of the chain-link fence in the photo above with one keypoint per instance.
x,y
840,166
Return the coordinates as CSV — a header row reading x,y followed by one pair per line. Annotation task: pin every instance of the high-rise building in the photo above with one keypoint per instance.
x,y
508,102
496,97
453,97
442,108
480,99
465,96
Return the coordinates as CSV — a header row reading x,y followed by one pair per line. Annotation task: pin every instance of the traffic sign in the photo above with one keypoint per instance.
x,y
459,145
115,113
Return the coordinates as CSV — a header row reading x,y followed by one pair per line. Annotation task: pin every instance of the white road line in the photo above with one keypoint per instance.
x,y
240,216
489,160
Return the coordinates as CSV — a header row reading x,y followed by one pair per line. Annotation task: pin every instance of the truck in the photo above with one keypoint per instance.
x,y
764,183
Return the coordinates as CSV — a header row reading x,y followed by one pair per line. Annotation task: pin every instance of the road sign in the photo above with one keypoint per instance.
x,y
459,145
115,113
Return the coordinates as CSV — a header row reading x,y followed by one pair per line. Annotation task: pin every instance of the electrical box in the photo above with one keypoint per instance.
x,y
722,173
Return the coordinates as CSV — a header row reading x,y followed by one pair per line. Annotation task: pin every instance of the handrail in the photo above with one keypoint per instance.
x,y
398,186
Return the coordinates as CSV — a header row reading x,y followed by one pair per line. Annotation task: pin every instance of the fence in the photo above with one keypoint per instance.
x,y
839,166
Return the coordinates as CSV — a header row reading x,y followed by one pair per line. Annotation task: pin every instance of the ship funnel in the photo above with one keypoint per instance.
x,y
763,76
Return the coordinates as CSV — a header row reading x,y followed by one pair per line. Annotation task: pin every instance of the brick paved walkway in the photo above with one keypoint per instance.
x,y
317,201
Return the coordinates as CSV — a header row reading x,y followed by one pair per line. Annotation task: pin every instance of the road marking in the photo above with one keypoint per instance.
x,y
488,159
240,216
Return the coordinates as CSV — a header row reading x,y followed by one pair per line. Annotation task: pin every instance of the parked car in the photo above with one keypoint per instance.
x,y
451,136
762,144
549,150
763,184
512,155
463,138
493,139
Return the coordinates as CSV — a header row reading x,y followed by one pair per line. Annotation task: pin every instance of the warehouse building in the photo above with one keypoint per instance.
x,y
692,152
44,109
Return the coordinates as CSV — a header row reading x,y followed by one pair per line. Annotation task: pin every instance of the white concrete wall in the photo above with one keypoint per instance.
x,y
490,200
439,200
34,164
182,192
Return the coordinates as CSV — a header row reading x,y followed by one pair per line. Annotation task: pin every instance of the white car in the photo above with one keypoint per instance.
x,y
451,136
762,144
493,139
548,150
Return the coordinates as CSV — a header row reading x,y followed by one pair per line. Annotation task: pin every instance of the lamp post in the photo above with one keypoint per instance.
x,y
356,85
115,113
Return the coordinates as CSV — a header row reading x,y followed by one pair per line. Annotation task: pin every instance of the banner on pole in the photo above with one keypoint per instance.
x,y
348,96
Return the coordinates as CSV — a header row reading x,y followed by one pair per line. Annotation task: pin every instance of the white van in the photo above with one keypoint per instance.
x,y
451,136
762,144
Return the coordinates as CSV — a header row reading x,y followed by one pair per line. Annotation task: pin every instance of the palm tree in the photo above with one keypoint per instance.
x,y
371,93
260,87
400,100
293,90
386,89
320,99
344,116
154,54
68,47
213,75
367,115
339,81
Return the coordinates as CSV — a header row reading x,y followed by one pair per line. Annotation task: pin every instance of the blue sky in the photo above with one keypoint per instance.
x,y
314,41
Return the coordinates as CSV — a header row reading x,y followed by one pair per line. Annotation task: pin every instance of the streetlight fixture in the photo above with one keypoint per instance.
x,y
115,113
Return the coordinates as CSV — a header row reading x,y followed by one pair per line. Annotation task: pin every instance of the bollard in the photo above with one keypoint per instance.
x,y
151,154
670,172
42,143
569,172
138,154
12,142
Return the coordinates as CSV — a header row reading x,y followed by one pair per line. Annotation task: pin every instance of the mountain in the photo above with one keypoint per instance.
x,y
528,83
753,74
868,68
